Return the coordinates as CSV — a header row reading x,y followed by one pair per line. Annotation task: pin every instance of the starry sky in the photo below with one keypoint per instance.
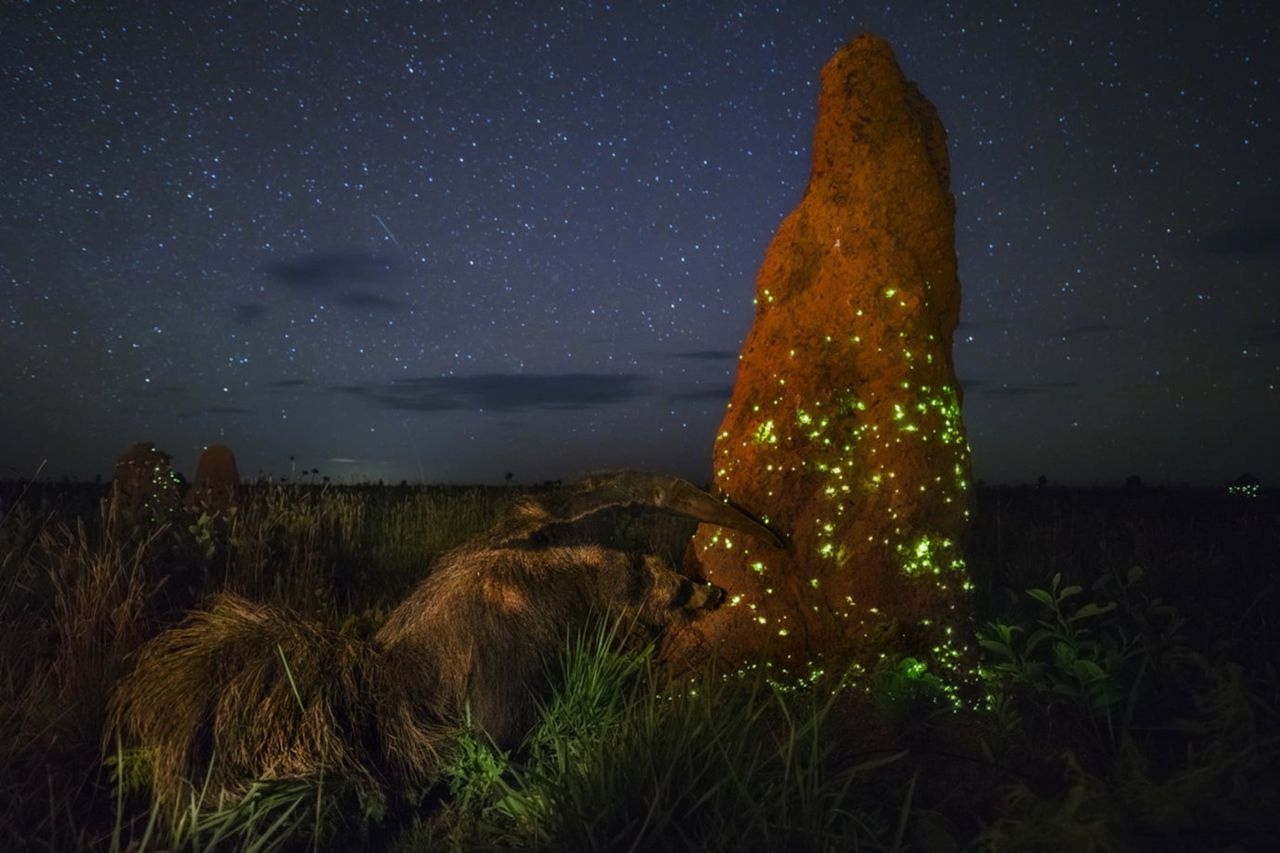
x,y
449,241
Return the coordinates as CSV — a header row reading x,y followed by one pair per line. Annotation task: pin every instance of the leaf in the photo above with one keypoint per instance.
x,y
1088,671
1093,609
1007,631
1042,596
1135,574
996,646
1068,591
1064,655
1037,638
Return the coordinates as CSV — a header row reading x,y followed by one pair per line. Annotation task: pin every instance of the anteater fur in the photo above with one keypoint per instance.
x,y
241,691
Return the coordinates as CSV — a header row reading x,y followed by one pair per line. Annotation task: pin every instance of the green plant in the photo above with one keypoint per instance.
x,y
1090,657
906,693
620,761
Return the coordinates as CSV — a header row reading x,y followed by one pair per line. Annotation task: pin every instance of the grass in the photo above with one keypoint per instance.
x,y
1133,697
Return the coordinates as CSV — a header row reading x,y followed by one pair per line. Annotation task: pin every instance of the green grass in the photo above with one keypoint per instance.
x,y
1132,680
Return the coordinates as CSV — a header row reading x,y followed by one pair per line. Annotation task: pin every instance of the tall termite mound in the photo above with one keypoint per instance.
x,y
217,478
844,429
144,487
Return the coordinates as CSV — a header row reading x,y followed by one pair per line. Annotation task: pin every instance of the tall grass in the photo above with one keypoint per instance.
x,y
1129,710
318,549
72,606
621,760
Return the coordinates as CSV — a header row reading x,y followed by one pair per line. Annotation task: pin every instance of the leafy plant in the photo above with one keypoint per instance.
x,y
1088,656
620,761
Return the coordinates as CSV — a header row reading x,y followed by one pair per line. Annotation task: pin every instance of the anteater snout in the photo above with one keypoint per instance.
x,y
706,596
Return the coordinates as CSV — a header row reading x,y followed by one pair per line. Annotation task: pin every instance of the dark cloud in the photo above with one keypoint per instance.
x,y
719,393
708,354
1009,391
371,302
1262,240
247,312
991,389
504,392
1087,329
1254,231
214,410
331,269
1262,334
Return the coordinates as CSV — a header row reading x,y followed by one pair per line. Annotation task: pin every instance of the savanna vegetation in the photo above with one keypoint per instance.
x,y
1128,697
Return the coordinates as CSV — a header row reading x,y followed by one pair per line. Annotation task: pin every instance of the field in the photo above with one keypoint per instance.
x,y
1129,699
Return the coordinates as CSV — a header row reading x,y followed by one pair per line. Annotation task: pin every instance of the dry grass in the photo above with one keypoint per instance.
x,y
73,606
242,691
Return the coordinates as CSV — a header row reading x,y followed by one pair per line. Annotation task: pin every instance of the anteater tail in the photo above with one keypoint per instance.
x,y
242,691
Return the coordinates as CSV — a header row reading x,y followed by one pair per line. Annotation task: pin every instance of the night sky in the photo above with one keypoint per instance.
x,y
448,241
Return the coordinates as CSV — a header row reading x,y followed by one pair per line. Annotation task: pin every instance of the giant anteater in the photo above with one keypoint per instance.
x,y
261,693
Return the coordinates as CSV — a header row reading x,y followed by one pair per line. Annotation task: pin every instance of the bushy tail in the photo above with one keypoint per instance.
x,y
242,691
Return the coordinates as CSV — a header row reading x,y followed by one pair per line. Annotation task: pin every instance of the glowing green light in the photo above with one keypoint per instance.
x,y
765,433
889,292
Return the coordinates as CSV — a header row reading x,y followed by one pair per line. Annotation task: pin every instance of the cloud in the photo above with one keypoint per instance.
x,y
1087,329
331,269
371,302
289,383
214,410
707,354
1263,334
1009,391
1254,231
1262,239
718,393
247,312
503,392
991,389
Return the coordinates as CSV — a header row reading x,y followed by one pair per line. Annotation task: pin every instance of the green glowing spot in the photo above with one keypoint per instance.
x,y
758,567
889,292
813,582
827,550
765,433
782,632
803,418
735,601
